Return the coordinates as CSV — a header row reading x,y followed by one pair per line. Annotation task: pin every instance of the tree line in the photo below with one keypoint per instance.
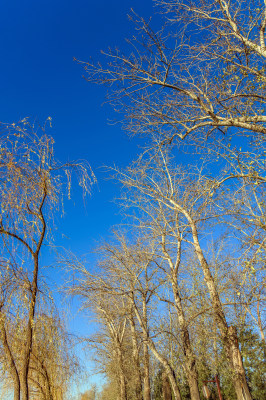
x,y
179,289
195,243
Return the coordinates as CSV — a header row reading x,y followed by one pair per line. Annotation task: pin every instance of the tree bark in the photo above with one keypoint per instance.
x,y
29,333
9,357
122,379
234,355
138,386
146,357
146,363
166,388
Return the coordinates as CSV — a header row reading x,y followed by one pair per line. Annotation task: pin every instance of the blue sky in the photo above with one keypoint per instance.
x,y
38,79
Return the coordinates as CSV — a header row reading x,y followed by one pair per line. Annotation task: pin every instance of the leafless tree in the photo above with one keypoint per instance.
x,y
140,270
202,72
32,186
193,197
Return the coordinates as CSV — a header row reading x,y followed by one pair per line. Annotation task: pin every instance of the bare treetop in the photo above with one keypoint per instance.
x,y
204,71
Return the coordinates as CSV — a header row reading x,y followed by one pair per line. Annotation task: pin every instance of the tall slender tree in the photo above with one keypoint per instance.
x,y
32,185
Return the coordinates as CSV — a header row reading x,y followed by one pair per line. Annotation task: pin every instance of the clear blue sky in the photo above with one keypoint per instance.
x,y
38,78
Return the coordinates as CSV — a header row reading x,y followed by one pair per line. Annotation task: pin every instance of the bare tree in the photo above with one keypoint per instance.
x,y
31,188
167,228
140,271
202,72
193,199
99,296
129,272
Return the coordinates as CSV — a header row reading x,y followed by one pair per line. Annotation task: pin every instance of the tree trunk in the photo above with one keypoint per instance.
x,y
192,378
138,385
166,388
122,379
29,332
261,330
229,334
234,355
24,382
9,357
190,359
146,357
146,363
